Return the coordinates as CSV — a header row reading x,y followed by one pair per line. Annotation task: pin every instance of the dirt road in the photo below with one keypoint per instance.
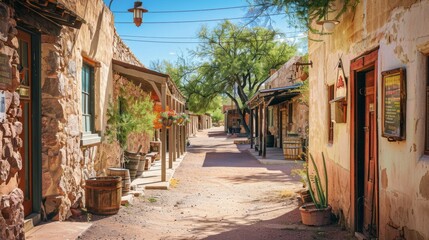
x,y
219,192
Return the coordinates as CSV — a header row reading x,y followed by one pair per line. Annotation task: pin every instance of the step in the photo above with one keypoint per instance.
x,y
31,221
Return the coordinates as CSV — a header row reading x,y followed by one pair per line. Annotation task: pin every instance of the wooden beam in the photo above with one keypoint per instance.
x,y
155,88
137,72
35,20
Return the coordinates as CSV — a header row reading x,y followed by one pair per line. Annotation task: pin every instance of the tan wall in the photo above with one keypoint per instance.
x,y
399,29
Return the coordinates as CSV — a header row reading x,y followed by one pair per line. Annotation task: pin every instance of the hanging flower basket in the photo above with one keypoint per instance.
x,y
167,118
182,119
167,122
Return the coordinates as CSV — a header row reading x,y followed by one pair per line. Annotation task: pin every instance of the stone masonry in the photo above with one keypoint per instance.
x,y
11,197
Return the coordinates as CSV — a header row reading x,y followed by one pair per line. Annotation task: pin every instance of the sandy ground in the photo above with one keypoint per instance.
x,y
219,192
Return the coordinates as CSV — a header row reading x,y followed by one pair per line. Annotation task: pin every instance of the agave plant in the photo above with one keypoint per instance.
x,y
319,195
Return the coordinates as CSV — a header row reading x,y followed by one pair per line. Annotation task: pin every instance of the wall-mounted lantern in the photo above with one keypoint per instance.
x,y
328,25
138,11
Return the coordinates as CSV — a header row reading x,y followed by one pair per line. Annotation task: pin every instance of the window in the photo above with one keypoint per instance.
x,y
88,130
87,98
330,123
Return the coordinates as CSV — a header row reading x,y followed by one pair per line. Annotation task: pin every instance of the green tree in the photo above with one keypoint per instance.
x,y
234,62
184,74
302,13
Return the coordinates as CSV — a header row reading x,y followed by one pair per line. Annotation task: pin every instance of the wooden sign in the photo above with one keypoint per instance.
x,y
5,70
341,84
393,104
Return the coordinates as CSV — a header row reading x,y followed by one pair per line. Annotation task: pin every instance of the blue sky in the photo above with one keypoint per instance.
x,y
148,52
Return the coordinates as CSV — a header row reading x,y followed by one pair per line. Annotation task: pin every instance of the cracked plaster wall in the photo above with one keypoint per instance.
x,y
399,29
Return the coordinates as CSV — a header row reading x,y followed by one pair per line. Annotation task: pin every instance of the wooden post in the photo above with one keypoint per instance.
x,y
182,133
260,129
170,138
264,152
163,136
251,128
177,135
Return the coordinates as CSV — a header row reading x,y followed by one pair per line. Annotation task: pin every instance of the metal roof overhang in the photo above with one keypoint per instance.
x,y
274,95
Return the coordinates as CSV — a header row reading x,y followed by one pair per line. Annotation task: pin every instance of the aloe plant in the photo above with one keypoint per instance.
x,y
318,194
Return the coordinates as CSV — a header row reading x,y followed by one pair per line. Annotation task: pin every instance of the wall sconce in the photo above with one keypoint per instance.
x,y
138,11
328,25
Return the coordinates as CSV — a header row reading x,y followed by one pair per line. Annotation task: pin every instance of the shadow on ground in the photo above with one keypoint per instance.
x,y
287,226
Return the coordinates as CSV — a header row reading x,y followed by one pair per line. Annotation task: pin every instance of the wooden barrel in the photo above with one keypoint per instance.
x,y
124,174
292,148
131,163
103,195
142,164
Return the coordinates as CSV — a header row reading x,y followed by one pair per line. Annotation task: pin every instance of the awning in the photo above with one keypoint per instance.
x,y
148,79
45,16
141,76
274,95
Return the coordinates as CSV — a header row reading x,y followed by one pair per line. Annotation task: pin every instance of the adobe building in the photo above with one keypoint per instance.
x,y
281,109
369,91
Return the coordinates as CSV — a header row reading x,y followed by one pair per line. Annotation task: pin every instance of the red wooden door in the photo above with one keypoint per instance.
x,y
370,181
25,175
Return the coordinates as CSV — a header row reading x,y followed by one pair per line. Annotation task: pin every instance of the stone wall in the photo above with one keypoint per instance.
x,y
11,197
398,29
65,163
123,53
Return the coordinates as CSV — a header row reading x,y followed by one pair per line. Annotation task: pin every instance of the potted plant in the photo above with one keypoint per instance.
x,y
126,116
317,213
167,118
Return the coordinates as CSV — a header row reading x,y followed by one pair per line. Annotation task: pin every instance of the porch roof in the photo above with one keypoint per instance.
x,y
274,95
148,79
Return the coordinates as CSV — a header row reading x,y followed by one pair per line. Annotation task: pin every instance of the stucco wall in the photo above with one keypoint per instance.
x,y
288,75
399,29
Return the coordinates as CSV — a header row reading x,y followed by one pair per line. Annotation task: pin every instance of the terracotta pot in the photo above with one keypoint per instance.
x,y
312,216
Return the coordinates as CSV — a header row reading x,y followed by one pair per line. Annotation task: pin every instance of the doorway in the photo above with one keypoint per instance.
x,y
29,91
364,157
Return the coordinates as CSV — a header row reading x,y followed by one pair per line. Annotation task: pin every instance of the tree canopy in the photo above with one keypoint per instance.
x,y
302,13
234,62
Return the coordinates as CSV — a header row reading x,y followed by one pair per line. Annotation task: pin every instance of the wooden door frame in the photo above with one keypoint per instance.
x,y
36,97
363,62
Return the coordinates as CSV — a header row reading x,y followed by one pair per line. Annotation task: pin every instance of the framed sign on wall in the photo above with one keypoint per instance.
x,y
393,91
